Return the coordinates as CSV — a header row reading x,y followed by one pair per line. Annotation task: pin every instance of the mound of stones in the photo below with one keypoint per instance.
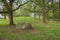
x,y
24,26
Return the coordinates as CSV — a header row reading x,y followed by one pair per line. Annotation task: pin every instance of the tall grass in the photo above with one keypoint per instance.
x,y
42,31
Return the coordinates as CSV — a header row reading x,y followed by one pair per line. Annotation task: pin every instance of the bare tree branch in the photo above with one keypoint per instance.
x,y
20,6
1,12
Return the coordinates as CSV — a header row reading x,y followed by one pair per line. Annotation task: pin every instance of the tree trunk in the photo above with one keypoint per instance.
x,y
58,17
44,11
11,12
44,17
47,14
11,18
34,15
52,1
53,12
4,16
39,14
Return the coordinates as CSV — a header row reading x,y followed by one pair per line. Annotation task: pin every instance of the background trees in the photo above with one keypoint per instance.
x,y
48,9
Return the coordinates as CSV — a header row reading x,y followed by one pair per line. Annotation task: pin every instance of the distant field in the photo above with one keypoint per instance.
x,y
42,31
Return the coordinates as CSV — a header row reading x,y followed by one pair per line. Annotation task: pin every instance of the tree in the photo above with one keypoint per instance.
x,y
9,6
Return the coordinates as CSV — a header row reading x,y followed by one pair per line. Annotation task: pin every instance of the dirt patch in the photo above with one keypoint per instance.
x,y
15,30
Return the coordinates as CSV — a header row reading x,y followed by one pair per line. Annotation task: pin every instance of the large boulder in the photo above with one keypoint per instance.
x,y
24,26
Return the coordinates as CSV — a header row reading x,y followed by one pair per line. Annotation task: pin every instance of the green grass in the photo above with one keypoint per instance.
x,y
42,31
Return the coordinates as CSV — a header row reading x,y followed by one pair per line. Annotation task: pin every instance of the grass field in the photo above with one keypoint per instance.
x,y
42,31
